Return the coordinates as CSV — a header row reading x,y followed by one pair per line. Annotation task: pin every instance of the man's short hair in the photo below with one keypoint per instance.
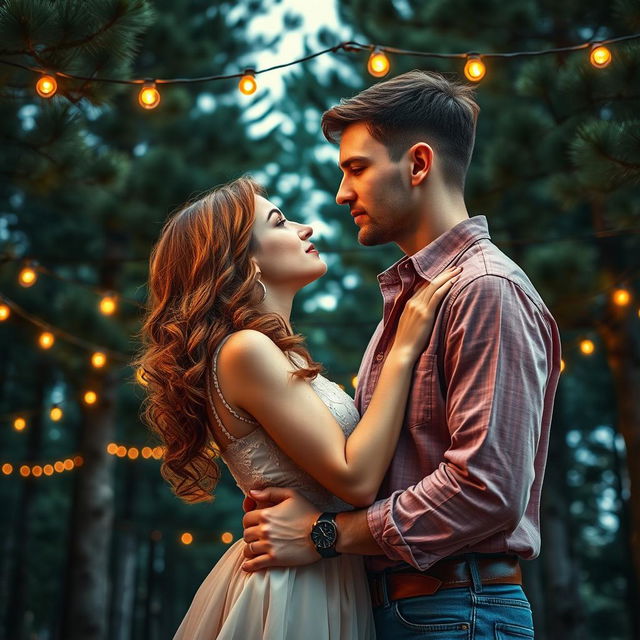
x,y
413,107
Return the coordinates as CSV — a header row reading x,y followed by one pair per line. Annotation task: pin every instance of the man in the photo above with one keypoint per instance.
x,y
460,502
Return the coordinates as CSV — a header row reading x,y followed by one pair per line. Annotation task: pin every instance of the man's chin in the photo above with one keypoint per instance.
x,y
369,237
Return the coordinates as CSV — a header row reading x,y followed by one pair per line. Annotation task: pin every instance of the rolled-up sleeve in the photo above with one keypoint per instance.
x,y
498,360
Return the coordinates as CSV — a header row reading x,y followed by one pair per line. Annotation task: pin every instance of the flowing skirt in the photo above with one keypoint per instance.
x,y
327,600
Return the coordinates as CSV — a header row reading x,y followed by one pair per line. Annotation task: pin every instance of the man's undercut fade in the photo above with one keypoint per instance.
x,y
418,106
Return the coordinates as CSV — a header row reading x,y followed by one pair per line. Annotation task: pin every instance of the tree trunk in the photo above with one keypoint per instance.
x,y
18,595
85,607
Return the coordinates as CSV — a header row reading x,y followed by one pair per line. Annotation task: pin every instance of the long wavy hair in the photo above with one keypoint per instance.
x,y
202,287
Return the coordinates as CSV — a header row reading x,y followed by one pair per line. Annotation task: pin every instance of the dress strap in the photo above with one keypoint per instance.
x,y
216,383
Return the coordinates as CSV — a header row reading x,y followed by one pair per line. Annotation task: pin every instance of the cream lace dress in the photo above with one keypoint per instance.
x,y
327,600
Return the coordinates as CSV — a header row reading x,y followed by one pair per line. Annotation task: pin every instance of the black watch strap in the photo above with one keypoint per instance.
x,y
324,535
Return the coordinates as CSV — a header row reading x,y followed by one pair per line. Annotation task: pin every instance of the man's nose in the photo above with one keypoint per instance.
x,y
345,193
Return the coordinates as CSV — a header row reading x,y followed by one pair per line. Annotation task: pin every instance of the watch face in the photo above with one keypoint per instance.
x,y
324,535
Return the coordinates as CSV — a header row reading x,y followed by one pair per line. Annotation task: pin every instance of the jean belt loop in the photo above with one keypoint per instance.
x,y
472,562
385,593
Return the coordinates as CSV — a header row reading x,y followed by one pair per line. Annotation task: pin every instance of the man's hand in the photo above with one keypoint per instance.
x,y
279,535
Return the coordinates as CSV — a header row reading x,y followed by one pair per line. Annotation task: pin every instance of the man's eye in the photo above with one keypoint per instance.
x,y
356,170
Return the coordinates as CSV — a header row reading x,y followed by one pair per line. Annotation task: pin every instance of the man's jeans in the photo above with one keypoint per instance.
x,y
478,612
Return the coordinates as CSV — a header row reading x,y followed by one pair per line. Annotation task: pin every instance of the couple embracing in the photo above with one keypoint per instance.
x,y
406,513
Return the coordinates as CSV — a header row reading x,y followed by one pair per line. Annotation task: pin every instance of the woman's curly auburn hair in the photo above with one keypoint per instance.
x,y
202,287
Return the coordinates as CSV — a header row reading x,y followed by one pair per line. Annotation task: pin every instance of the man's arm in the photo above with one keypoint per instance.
x,y
279,535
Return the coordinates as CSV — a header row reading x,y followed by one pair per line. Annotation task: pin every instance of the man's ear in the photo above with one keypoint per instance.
x,y
421,162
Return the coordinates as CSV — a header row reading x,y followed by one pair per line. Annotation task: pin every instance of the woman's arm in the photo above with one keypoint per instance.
x,y
258,378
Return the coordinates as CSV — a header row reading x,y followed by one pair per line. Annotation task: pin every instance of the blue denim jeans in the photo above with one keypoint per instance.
x,y
477,612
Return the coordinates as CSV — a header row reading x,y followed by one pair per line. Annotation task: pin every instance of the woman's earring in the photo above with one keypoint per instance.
x,y
264,289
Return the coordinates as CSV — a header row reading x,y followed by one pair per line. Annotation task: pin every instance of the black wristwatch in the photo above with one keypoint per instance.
x,y
324,534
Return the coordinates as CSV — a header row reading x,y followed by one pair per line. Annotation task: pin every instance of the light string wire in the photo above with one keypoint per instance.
x,y
348,46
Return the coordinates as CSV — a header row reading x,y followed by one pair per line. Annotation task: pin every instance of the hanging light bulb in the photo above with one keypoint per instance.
x,y
19,424
56,413
46,86
149,96
587,347
46,340
108,305
621,297
248,84
186,538
600,56
90,397
227,537
27,276
7,469
474,68
98,359
378,65
5,312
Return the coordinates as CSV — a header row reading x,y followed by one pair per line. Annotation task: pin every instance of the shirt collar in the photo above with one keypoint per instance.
x,y
442,252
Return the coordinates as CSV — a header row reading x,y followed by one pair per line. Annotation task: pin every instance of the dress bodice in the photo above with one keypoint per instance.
x,y
256,461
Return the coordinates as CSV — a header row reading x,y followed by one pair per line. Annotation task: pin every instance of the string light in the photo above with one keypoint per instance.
x,y
108,305
474,68
186,538
600,56
587,347
56,413
46,86
90,397
98,359
562,365
149,96
46,340
621,297
7,469
378,64
5,312
248,84
39,470
354,381
133,453
227,537
27,276
19,424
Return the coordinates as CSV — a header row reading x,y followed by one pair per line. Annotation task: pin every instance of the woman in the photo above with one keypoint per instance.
x,y
227,377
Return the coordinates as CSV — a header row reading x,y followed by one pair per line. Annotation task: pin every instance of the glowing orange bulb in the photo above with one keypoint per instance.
x,y
37,470
378,65
5,312
621,297
133,453
90,397
227,537
248,84
68,464
58,466
27,277
48,469
78,461
98,359
354,381
7,469
149,96
587,347
112,447
108,305
474,69
600,56
19,424
562,366
186,538
147,452
55,414
158,452
25,471
46,86
121,451
46,340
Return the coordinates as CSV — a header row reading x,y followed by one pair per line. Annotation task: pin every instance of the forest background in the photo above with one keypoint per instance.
x,y
87,178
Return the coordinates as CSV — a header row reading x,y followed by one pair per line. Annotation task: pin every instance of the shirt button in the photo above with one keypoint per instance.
x,y
379,357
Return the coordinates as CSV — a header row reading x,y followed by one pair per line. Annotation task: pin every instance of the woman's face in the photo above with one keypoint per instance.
x,y
285,255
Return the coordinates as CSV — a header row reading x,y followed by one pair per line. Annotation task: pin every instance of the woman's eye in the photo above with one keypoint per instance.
x,y
281,222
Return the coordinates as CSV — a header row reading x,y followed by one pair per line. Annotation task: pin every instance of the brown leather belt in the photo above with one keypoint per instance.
x,y
446,574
